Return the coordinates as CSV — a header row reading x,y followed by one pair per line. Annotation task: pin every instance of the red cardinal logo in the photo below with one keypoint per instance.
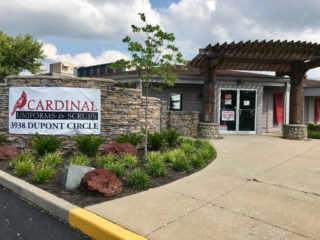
x,y
21,102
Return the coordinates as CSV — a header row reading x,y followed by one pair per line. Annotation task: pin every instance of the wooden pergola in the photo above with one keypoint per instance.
x,y
293,59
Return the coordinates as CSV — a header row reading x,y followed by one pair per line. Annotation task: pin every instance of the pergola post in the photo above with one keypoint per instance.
x,y
209,89
296,96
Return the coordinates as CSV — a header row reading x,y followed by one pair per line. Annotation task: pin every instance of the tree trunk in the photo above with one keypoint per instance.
x,y
146,124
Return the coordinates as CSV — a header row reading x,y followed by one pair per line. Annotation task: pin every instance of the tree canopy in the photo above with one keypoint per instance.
x,y
154,58
18,54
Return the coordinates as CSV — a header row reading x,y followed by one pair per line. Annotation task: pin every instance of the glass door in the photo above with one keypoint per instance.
x,y
247,111
238,111
228,107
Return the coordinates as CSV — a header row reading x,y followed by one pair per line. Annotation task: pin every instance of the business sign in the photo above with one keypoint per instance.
x,y
227,115
54,110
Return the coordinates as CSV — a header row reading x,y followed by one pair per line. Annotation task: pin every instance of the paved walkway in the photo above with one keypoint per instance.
x,y
259,187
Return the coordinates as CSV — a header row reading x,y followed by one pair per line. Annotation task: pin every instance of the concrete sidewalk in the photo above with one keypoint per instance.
x,y
259,187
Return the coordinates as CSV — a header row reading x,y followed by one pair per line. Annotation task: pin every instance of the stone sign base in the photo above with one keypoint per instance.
x,y
208,130
295,131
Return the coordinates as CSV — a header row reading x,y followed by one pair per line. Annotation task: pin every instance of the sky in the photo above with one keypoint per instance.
x,y
89,32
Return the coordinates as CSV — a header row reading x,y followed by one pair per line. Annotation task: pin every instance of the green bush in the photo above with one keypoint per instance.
x,y
187,148
169,156
104,160
45,144
22,168
116,168
187,141
196,160
313,134
157,140
172,137
133,138
128,161
311,127
206,150
153,156
43,173
52,159
181,162
79,160
22,157
2,138
138,179
88,145
155,167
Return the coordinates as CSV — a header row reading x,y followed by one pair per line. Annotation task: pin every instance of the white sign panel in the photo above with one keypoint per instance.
x,y
227,116
54,110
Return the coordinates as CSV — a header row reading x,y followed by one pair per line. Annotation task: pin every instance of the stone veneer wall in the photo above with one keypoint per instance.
x,y
208,130
184,122
122,111
295,131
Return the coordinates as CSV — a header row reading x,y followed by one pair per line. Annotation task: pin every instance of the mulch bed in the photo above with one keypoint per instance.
x,y
82,199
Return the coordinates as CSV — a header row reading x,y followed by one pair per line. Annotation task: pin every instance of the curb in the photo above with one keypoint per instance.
x,y
87,222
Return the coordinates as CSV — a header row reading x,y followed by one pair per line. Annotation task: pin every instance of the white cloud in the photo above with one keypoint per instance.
x,y
80,59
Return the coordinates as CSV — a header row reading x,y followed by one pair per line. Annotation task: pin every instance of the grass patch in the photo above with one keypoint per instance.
x,y
138,179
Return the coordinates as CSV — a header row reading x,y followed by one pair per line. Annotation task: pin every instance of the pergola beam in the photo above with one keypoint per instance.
x,y
309,65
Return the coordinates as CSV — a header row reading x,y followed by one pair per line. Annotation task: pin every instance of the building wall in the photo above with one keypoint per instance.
x,y
309,110
192,95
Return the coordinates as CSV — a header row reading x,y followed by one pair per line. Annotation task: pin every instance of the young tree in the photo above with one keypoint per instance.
x,y
153,58
19,54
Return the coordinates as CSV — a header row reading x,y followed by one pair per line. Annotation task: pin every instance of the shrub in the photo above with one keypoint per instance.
x,y
172,137
22,168
52,159
181,163
313,134
105,160
187,148
43,173
156,168
2,138
133,138
187,141
206,150
116,168
79,160
45,144
121,149
157,140
311,127
153,156
169,156
22,157
196,160
128,161
138,179
88,145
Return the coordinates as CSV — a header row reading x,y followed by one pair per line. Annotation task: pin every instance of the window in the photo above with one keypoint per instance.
x,y
102,70
88,72
95,71
176,101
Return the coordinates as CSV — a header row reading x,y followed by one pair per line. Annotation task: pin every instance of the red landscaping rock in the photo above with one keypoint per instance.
x,y
121,148
101,181
8,153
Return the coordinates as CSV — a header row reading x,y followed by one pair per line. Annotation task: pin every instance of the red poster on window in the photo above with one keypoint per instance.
x,y
318,109
278,107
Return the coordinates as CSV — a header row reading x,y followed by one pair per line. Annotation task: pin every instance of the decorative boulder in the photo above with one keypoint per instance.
x,y
72,175
101,181
8,153
121,148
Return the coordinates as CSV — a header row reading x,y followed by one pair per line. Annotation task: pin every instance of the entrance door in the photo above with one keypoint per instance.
x,y
238,111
